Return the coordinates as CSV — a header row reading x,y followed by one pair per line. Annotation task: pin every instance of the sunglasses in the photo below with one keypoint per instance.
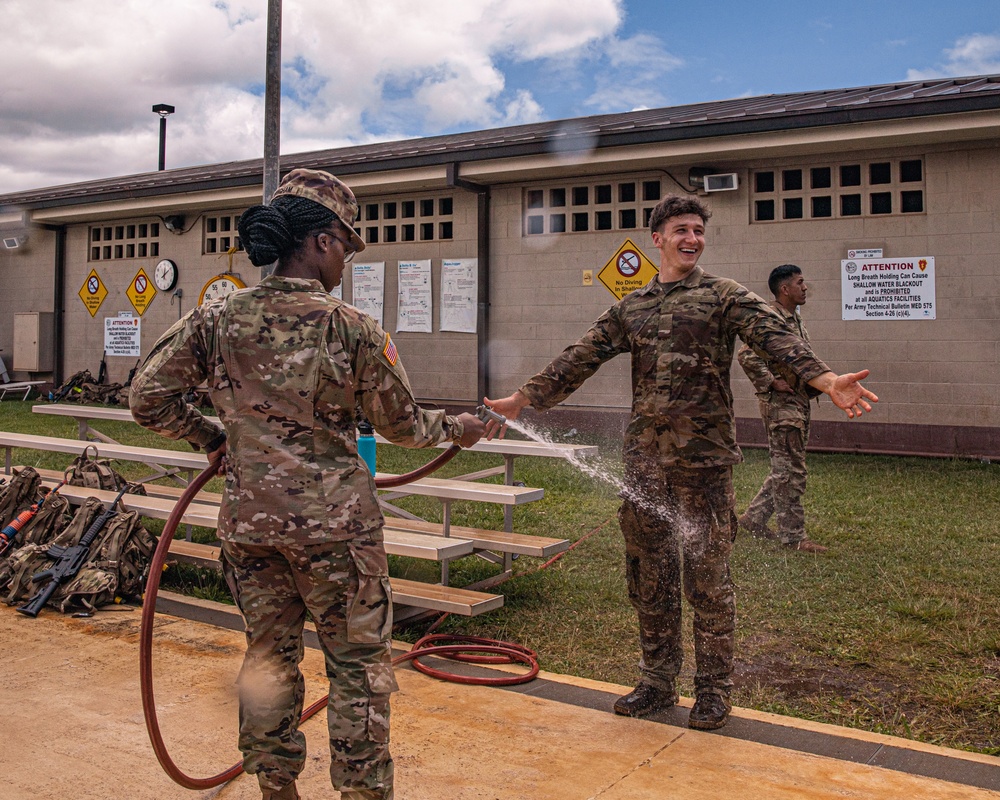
x,y
349,249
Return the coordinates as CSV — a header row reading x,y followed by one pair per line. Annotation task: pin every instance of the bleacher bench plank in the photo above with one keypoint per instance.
x,y
447,489
442,488
185,459
397,530
401,543
431,596
520,543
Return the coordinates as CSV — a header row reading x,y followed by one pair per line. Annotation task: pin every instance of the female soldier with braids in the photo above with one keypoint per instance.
x,y
287,366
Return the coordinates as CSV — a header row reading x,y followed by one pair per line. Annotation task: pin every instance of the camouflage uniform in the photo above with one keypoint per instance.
x,y
287,366
786,418
679,449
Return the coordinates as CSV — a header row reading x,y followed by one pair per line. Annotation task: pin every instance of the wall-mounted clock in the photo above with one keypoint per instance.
x,y
220,286
165,275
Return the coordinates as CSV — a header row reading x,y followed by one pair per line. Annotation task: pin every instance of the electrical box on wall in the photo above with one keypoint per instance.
x,y
723,182
33,341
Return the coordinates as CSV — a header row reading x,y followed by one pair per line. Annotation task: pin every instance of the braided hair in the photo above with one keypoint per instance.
x,y
270,233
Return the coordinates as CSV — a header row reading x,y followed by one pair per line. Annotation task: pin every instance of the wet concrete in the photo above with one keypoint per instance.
x,y
73,728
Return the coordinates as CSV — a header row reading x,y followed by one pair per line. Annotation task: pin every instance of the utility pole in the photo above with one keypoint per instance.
x,y
272,107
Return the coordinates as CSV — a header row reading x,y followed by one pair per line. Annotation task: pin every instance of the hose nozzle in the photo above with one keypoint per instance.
x,y
487,414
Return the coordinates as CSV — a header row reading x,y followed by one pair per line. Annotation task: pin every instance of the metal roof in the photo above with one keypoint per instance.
x,y
699,120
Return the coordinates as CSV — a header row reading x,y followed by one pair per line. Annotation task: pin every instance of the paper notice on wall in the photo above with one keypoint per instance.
x,y
369,289
415,299
459,294
121,335
888,288
338,291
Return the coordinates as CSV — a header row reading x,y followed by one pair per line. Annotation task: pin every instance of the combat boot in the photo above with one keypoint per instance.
x,y
286,792
710,712
645,699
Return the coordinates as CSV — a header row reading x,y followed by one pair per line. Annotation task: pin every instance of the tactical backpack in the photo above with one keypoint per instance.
x,y
82,387
115,570
18,493
70,389
51,517
97,473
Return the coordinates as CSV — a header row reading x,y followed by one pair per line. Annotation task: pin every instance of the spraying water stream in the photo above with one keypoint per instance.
x,y
596,468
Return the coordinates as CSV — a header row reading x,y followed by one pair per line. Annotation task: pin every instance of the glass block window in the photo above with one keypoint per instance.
x,y
385,221
121,241
219,232
621,205
879,187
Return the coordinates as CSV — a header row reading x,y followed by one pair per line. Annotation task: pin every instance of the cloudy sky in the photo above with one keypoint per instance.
x,y
78,78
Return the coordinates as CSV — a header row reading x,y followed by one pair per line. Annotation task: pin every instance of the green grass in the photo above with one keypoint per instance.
x,y
895,630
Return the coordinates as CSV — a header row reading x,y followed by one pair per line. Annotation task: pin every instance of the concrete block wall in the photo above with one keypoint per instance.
x,y
926,372
27,283
539,305
441,365
84,339
941,372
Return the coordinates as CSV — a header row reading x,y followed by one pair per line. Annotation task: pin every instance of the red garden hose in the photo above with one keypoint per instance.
x,y
474,649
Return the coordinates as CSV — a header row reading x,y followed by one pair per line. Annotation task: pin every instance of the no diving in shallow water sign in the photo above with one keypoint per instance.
x,y
888,288
628,270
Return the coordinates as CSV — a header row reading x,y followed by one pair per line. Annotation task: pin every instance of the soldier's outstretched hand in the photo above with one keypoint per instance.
x,y
847,393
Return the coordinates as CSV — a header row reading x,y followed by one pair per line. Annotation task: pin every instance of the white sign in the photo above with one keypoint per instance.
x,y
459,294
369,289
875,252
415,300
121,336
888,288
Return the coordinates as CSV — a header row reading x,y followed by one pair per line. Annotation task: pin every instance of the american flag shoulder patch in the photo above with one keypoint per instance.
x,y
389,351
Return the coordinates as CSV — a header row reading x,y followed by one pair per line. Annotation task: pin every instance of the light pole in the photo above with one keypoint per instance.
x,y
164,111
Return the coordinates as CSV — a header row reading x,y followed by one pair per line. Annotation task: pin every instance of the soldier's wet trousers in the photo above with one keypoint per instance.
x,y
344,587
781,494
679,525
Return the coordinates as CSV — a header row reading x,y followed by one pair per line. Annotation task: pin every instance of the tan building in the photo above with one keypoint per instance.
x,y
908,173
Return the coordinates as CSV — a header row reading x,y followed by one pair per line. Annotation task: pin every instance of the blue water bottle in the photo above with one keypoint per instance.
x,y
366,444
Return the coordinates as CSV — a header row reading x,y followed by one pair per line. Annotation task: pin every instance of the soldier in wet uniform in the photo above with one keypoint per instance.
x,y
287,366
680,447
784,407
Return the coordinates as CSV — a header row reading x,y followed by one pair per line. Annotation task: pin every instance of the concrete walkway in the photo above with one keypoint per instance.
x,y
73,728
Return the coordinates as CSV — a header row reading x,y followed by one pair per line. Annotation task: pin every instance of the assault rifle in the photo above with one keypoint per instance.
x,y
7,534
69,560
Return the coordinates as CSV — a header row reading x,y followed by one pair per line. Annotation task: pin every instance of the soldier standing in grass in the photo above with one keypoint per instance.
x,y
784,407
680,447
287,366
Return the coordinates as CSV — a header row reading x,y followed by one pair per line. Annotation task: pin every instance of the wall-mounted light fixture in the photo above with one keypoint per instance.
x,y
712,179
174,223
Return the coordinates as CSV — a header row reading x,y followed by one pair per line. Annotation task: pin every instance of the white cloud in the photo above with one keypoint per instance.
x,y
636,68
77,80
978,54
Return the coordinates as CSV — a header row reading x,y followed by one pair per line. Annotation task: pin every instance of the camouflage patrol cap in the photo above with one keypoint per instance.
x,y
327,190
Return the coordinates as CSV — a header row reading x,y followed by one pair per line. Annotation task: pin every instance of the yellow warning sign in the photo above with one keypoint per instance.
x,y
141,292
93,292
628,270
